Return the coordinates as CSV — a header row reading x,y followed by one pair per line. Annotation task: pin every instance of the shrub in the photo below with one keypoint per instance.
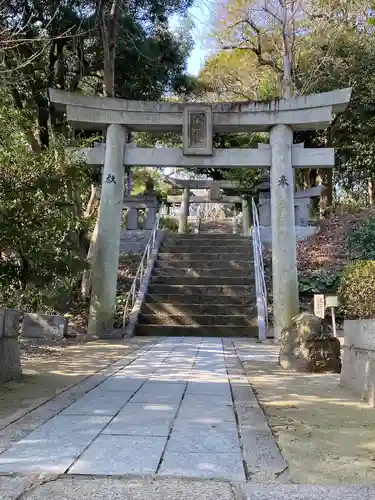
x,y
169,224
319,282
357,290
361,240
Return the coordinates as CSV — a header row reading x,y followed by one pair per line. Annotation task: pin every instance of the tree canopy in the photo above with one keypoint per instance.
x,y
332,43
49,200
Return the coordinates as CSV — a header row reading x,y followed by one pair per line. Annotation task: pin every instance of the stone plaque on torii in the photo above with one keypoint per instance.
x,y
280,118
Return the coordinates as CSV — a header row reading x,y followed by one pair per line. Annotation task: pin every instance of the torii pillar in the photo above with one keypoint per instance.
x,y
184,212
107,246
284,248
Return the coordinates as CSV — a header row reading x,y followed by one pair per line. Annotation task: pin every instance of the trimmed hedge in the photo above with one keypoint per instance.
x,y
361,240
357,290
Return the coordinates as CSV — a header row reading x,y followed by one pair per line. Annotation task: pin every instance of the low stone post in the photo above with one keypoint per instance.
x,y
284,256
184,212
150,218
132,219
105,262
245,217
10,356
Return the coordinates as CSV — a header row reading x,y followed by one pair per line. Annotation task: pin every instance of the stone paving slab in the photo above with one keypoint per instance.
x,y
54,446
166,411
208,399
167,488
260,451
11,488
210,388
122,382
118,455
131,489
143,419
210,465
99,402
307,492
206,412
167,393
196,437
267,456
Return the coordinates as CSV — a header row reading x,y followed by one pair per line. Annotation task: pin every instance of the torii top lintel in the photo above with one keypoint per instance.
x,y
301,113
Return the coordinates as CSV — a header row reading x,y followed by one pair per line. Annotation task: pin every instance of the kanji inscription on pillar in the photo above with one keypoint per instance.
x,y
197,130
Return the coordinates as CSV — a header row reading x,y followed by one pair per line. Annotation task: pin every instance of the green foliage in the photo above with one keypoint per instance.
x,y
169,224
357,290
361,240
40,222
319,282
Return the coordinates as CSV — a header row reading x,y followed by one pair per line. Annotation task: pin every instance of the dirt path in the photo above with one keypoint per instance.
x,y
47,370
326,434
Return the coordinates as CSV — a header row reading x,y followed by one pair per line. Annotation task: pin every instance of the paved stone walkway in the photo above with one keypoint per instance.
x,y
182,408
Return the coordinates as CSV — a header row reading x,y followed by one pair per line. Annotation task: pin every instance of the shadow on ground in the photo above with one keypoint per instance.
x,y
326,434
49,369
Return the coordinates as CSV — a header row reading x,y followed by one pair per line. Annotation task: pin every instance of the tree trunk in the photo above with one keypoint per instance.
x,y
370,192
288,56
329,185
108,30
86,278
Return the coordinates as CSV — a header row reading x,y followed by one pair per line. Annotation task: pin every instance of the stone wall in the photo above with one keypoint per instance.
x,y
358,365
134,241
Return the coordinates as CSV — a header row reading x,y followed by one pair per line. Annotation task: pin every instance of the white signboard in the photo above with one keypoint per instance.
x,y
319,306
332,301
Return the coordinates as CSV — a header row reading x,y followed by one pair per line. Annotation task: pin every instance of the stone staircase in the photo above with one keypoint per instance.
x,y
202,285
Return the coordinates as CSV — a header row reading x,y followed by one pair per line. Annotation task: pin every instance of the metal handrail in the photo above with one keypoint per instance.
x,y
135,288
260,282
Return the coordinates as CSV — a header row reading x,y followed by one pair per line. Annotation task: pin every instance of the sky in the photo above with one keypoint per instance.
x,y
200,13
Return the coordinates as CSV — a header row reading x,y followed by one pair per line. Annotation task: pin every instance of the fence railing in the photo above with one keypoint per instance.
x,y
135,288
260,282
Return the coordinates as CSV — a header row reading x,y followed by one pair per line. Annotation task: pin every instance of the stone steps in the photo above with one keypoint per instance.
x,y
196,331
182,300
215,254
202,280
196,320
202,246
196,309
205,265
207,243
201,285
188,272
199,290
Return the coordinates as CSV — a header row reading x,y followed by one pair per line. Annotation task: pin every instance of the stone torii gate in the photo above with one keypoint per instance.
x,y
197,123
213,196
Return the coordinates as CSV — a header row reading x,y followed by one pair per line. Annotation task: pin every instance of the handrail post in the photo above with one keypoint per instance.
x,y
260,283
141,270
